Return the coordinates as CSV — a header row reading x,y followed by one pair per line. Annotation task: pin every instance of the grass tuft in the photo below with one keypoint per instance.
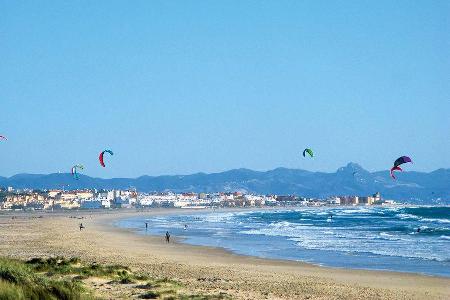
x,y
60,278
20,281
150,295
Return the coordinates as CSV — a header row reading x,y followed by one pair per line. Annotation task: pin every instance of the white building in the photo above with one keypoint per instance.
x,y
124,201
91,204
270,201
334,201
95,203
145,200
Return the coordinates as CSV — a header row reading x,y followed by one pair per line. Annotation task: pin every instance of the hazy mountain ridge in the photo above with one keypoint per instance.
x,y
415,187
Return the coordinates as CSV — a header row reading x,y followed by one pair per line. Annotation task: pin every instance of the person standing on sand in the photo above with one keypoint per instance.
x,y
146,226
81,226
167,237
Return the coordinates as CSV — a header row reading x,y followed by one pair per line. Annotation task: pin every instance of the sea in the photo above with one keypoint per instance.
x,y
374,238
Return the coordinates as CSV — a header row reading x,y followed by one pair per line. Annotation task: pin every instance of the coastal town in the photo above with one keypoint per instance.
x,y
28,199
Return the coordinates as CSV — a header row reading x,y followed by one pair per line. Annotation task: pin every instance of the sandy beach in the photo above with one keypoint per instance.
x,y
200,269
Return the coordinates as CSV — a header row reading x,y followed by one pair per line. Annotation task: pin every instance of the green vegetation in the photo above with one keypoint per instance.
x,y
60,278
60,265
19,281
168,289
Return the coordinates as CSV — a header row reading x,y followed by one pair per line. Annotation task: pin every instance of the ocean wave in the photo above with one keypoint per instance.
x,y
356,211
217,217
407,217
284,224
389,237
369,232
385,234
429,211
434,231
404,216
348,246
435,220
252,232
284,229
323,213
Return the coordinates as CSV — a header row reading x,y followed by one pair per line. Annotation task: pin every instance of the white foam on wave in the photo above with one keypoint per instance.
x,y
284,229
407,216
435,220
385,234
348,245
355,211
322,213
221,217
389,237
414,217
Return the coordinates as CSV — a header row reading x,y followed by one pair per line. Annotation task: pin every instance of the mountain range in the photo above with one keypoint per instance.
x,y
352,179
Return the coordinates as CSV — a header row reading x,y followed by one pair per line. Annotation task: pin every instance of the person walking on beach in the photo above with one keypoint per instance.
x,y
167,237
81,226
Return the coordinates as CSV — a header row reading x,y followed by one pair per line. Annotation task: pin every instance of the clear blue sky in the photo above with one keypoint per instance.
x,y
176,87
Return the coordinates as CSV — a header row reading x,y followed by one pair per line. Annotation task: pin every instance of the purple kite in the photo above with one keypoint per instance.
x,y
399,161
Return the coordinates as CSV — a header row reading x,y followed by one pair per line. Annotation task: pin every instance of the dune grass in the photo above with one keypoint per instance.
x,y
61,278
20,281
60,265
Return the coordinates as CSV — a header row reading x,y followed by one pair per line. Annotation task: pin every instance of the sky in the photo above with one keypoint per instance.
x,y
179,87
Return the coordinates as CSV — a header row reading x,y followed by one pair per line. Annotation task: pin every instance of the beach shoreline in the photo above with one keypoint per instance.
x,y
203,269
186,237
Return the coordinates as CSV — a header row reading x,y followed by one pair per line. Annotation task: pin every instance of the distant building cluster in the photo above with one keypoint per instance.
x,y
358,200
27,199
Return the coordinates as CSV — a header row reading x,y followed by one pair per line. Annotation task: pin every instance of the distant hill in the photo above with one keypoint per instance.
x,y
413,187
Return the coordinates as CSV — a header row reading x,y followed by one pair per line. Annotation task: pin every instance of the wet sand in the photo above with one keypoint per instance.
x,y
201,269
